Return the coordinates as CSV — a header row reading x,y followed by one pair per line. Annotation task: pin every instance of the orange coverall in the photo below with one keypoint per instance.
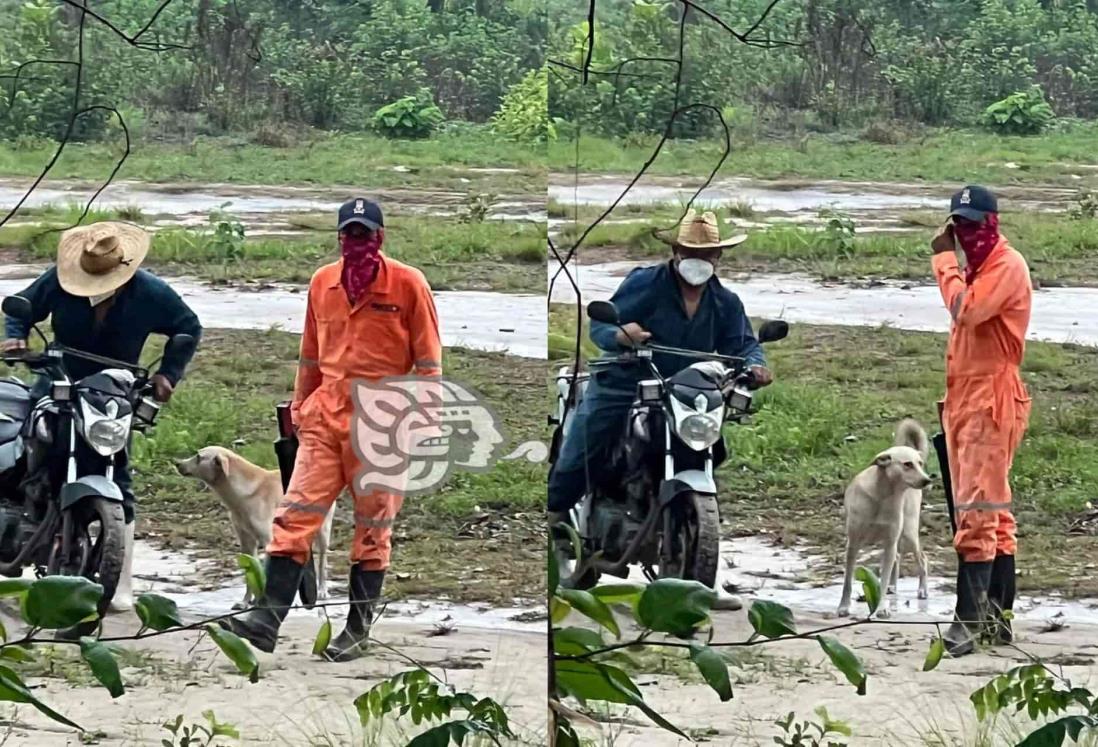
x,y
391,331
987,407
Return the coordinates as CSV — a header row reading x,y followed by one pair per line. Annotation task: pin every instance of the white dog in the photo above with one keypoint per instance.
x,y
882,508
252,494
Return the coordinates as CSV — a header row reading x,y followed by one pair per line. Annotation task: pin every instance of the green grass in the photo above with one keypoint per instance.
x,y
838,395
939,155
228,399
321,160
492,255
1060,250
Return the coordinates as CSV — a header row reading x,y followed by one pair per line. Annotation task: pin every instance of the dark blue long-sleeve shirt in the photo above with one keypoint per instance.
x,y
651,297
146,305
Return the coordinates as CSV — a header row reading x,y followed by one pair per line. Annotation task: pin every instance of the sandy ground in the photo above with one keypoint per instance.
x,y
299,700
903,705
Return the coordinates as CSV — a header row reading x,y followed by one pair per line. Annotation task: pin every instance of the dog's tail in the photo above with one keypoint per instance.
x,y
911,433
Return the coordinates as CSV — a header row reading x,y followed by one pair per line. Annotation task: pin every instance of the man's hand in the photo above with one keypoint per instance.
x,y
631,334
11,346
943,240
162,388
763,377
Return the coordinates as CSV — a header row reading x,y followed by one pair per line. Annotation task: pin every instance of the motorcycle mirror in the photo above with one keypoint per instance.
x,y
18,307
773,331
603,311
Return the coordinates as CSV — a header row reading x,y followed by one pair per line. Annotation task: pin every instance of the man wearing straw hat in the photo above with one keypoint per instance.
x,y
102,303
678,303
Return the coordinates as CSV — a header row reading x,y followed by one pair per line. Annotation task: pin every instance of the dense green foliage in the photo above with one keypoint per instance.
x,y
854,63
263,66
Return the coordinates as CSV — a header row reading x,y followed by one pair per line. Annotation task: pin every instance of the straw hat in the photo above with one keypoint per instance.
x,y
96,259
701,232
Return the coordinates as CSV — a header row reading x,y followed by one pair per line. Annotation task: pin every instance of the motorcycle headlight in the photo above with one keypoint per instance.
x,y
106,435
699,431
697,428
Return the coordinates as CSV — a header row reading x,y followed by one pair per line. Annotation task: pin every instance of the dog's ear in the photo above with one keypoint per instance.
x,y
219,466
883,460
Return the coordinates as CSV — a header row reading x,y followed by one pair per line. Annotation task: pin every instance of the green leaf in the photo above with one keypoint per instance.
x,y
157,612
628,594
10,587
56,602
675,606
1054,733
13,690
770,619
586,680
558,609
713,668
254,574
323,638
587,604
871,587
845,660
934,655
576,641
103,665
17,653
237,650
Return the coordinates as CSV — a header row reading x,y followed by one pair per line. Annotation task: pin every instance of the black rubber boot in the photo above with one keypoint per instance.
x,y
260,626
78,631
970,616
1000,597
365,589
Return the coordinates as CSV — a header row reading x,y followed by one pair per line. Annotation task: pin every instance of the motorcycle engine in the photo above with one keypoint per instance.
x,y
614,528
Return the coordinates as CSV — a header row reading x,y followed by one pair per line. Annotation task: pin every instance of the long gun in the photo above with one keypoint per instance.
x,y
939,442
286,452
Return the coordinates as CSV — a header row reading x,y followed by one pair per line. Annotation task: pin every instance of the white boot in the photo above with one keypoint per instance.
x,y
123,595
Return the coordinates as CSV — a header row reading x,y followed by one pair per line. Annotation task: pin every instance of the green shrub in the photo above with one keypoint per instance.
x,y
409,118
524,113
1020,113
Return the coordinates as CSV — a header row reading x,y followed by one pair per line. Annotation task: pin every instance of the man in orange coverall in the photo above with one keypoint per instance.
x,y
368,317
986,408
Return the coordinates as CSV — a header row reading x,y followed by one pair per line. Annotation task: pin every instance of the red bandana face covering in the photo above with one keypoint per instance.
x,y
977,241
361,262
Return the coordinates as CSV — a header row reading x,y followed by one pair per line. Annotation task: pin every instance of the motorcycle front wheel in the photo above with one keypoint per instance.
x,y
690,545
101,542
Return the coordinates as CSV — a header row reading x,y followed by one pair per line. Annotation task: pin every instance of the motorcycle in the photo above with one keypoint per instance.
x,y
655,503
56,517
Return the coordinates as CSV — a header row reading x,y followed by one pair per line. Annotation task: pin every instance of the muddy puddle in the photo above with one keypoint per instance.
x,y
757,569
263,209
201,587
477,320
874,206
1063,315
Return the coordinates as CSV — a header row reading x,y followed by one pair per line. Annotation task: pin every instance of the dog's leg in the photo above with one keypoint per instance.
x,y
921,565
848,576
248,546
888,565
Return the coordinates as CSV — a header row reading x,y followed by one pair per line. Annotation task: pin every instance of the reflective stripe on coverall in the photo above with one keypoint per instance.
x,y
987,406
391,331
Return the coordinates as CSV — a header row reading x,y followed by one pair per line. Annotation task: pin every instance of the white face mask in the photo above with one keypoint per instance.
x,y
96,300
695,271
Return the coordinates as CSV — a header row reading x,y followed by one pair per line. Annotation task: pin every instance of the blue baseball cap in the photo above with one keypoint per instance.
x,y
973,202
361,210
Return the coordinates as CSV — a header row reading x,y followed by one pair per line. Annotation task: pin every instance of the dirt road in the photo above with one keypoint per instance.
x,y
299,700
903,705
